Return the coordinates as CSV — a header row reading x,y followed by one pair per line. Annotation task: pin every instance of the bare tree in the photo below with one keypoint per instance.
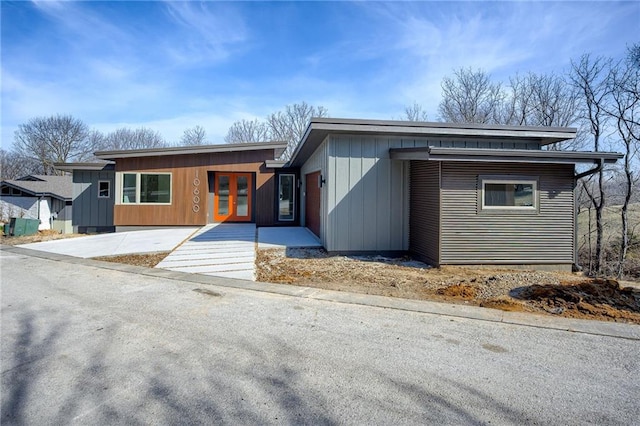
x,y
589,78
247,131
287,125
49,140
415,112
13,165
470,97
624,85
125,138
194,136
290,124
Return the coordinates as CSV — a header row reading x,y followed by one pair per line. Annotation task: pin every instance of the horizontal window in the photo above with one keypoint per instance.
x,y
509,194
146,188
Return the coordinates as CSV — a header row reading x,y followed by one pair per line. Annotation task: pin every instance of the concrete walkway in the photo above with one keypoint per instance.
x,y
222,250
286,237
149,241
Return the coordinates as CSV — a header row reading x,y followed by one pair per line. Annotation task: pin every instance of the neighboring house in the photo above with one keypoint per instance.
x,y
446,193
93,196
46,198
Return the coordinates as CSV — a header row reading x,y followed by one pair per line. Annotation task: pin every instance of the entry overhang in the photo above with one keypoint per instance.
x,y
502,155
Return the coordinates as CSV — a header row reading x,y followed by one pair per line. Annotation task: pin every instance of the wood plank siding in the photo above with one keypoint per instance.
x,y
470,235
189,187
424,218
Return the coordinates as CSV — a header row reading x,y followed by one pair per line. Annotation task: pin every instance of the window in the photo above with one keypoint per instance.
x,y
509,194
146,188
104,189
286,197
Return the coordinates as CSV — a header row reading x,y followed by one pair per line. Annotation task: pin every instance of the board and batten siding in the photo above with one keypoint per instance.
x,y
89,210
368,195
317,162
470,235
424,218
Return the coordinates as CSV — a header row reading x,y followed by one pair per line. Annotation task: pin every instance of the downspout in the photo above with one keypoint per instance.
x,y
577,267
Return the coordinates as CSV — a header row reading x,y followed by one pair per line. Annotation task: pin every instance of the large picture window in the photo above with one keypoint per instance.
x,y
509,194
286,198
146,188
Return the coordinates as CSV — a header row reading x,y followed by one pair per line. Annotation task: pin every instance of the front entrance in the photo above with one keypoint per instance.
x,y
312,202
232,197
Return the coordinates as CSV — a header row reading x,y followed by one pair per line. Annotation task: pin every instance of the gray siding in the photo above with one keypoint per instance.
x,y
424,228
88,209
317,162
472,236
368,203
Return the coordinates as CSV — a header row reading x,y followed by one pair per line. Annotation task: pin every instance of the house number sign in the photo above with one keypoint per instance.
x,y
196,194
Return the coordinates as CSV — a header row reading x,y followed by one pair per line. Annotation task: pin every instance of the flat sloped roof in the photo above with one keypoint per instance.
x,y
319,128
104,165
277,146
503,155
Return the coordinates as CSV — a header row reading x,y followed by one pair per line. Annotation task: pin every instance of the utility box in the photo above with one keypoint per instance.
x,y
19,226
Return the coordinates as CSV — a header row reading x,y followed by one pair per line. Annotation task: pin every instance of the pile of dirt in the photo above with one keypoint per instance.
x,y
148,260
45,235
564,294
602,299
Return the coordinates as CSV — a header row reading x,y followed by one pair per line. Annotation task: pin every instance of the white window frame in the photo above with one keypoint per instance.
x,y
120,190
293,187
510,181
108,182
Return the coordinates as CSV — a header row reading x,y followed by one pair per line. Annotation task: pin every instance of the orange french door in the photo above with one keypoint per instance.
x,y
232,197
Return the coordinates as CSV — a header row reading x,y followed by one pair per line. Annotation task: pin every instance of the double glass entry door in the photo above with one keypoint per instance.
x,y
232,199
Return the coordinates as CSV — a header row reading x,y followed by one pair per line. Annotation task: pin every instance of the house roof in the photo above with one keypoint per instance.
x,y
103,165
502,155
277,146
60,187
319,128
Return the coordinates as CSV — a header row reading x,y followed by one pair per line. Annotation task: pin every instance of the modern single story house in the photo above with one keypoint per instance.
x,y
42,197
449,194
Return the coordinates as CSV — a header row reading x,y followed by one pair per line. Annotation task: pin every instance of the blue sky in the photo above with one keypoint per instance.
x,y
174,65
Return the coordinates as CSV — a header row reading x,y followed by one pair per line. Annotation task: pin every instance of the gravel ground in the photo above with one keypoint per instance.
x,y
494,288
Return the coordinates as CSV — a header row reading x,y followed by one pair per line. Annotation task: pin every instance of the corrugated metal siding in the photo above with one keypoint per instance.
x,y
472,236
88,209
424,222
367,195
316,163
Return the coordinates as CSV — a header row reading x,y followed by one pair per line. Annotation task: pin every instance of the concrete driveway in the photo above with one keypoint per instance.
x,y
150,241
86,342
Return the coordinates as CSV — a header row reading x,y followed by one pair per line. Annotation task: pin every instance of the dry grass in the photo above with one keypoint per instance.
x,y
47,235
148,260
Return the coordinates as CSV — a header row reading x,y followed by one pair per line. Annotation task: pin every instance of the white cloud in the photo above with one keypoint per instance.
x,y
210,33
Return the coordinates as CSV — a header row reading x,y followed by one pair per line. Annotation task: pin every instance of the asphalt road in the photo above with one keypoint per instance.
x,y
87,345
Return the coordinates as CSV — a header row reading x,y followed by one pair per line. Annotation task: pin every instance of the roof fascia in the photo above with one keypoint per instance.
x,y
278,148
503,155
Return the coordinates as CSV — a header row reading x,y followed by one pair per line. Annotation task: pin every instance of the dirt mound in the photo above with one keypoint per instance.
x,y
600,299
461,291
